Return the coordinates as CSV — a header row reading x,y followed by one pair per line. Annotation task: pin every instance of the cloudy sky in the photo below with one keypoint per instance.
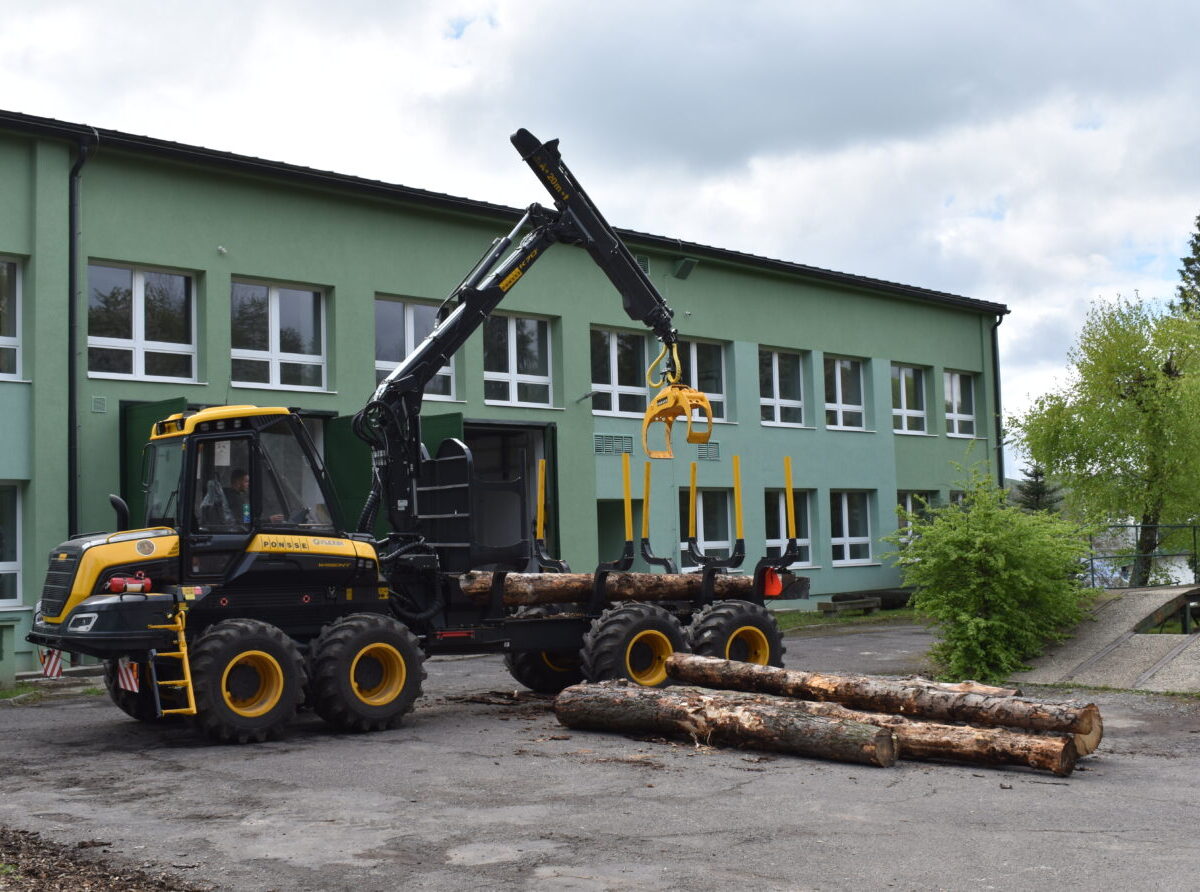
x,y
1041,155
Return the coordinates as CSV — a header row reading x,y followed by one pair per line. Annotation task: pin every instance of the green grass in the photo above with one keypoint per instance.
x,y
806,620
8,870
93,691
9,693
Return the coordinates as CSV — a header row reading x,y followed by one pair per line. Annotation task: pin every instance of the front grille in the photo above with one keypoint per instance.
x,y
59,575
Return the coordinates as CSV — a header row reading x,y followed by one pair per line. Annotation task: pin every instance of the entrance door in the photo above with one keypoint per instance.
x,y
136,421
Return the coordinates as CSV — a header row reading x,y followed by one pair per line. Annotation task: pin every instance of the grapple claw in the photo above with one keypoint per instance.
x,y
670,403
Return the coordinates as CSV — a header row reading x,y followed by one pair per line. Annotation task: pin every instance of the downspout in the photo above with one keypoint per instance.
x,y
74,235
999,417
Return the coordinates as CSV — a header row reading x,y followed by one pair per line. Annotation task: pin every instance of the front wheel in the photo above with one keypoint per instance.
x,y
367,672
632,641
248,678
137,705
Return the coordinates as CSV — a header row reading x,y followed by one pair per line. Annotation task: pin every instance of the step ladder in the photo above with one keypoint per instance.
x,y
180,653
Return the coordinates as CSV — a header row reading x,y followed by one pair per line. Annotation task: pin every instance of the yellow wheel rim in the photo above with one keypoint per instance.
x,y
646,657
749,645
558,661
252,683
378,673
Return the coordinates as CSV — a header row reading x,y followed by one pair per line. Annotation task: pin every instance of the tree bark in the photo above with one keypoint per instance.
x,y
959,743
715,717
528,589
963,687
889,696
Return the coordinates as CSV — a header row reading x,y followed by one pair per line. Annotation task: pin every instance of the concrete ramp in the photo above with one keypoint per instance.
x,y
1107,651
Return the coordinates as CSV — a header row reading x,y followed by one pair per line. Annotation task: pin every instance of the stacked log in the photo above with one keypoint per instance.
x,y
862,719
530,589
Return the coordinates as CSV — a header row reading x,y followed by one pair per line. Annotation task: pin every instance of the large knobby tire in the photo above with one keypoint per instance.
x,y
249,679
367,671
737,630
632,641
138,705
544,671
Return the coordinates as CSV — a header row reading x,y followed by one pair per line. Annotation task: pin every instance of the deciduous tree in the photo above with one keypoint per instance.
x,y
1123,434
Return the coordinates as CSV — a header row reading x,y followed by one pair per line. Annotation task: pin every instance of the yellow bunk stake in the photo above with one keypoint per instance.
x,y
628,497
692,503
178,626
789,498
540,532
646,505
675,400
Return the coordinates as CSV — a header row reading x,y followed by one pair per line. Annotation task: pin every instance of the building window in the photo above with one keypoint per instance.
x,y
712,524
10,320
141,324
10,544
844,406
516,361
618,373
850,527
278,336
775,513
960,404
704,370
780,387
400,326
908,399
914,502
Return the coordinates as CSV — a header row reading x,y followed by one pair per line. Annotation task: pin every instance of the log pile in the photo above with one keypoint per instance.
x,y
531,589
863,719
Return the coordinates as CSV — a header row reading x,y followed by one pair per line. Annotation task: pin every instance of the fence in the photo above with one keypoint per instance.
x,y
1115,551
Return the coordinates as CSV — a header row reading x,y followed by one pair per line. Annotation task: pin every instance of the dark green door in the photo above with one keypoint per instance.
x,y
136,421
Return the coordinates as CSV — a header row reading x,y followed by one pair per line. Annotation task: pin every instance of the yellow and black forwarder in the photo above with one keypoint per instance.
x,y
241,594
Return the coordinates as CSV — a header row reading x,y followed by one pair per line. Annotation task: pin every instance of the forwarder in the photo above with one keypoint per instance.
x,y
243,594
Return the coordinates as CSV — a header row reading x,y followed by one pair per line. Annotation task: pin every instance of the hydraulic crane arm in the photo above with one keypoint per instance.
x,y
390,422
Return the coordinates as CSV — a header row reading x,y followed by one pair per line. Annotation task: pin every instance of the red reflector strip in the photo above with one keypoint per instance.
x,y
463,634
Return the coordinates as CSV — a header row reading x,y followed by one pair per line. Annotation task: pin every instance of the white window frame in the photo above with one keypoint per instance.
x,y
411,343
14,342
514,378
273,356
137,343
839,406
611,387
775,402
956,419
691,375
902,413
705,544
801,499
14,567
842,538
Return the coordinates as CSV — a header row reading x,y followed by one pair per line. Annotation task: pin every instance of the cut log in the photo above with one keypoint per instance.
x,y
529,589
887,695
958,743
964,687
713,717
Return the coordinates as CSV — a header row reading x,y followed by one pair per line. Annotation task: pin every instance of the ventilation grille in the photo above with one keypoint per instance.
x,y
613,444
708,452
643,261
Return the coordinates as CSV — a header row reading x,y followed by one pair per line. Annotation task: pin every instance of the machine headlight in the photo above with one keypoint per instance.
x,y
82,622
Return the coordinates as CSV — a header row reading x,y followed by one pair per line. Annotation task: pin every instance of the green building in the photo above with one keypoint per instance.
x,y
140,277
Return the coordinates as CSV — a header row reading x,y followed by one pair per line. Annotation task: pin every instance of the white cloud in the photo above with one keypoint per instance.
x,y
1038,155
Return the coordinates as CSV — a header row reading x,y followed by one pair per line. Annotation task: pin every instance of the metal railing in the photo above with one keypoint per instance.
x,y
1110,564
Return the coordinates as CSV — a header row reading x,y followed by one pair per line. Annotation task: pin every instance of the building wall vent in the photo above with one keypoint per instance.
x,y
613,444
708,452
643,261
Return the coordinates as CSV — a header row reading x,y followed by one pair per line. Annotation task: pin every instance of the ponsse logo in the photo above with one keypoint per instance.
x,y
300,544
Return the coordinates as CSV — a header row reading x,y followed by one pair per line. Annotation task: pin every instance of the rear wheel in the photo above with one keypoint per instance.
x,y
737,630
632,641
544,671
249,680
367,672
